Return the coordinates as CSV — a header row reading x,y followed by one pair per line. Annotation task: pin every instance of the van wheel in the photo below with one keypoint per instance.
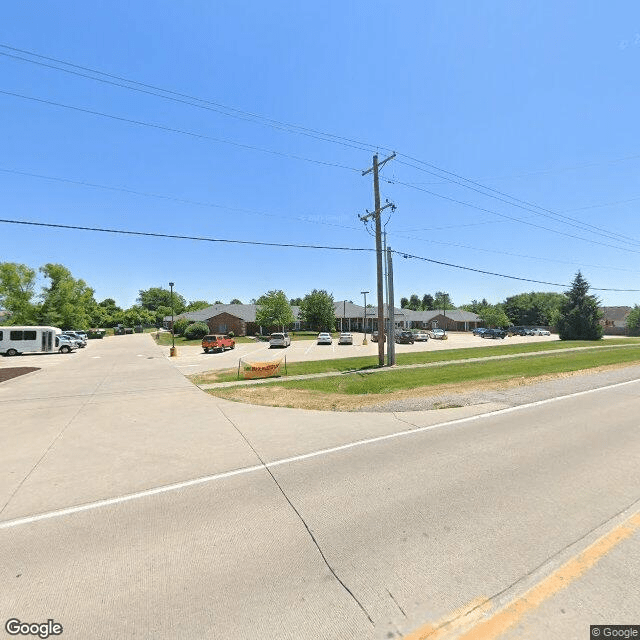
x,y
206,350
233,346
12,352
64,349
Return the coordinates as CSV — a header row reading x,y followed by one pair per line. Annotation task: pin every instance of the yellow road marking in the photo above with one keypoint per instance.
x,y
560,579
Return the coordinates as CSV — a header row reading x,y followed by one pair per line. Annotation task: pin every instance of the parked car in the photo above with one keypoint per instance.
x,y
421,336
325,338
438,334
494,334
405,337
279,340
540,332
374,337
217,343
64,344
478,331
345,338
82,342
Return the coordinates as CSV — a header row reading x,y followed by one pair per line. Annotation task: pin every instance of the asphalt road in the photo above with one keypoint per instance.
x,y
135,506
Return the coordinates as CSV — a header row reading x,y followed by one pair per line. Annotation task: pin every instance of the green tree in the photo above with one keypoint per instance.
x,y
493,316
236,301
535,308
196,331
579,317
197,305
443,300
17,290
317,309
156,297
67,302
137,315
427,302
295,302
274,310
633,320
414,302
180,326
404,303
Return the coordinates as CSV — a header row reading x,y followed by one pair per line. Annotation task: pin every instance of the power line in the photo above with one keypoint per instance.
x,y
181,237
184,98
512,218
169,198
280,245
292,128
500,275
521,204
184,132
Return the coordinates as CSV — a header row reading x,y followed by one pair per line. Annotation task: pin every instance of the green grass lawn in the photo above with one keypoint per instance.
x,y
340,365
395,380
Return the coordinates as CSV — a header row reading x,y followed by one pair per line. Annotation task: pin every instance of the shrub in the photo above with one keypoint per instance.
x,y
196,331
231,334
180,326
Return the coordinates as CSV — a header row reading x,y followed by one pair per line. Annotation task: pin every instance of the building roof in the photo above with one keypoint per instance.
x,y
615,313
246,312
457,315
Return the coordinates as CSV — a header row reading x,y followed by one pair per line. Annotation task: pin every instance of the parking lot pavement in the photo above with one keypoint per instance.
x,y
194,360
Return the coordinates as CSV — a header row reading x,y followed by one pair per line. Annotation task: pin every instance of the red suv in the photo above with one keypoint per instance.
x,y
217,343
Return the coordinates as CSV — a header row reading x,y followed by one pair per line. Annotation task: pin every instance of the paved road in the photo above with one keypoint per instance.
x,y
136,506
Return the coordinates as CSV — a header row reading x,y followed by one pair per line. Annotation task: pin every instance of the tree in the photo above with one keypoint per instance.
x,y
17,289
274,310
106,314
137,315
295,302
493,316
196,305
414,302
579,317
404,303
236,301
443,300
535,308
633,320
427,302
180,326
67,302
158,297
317,309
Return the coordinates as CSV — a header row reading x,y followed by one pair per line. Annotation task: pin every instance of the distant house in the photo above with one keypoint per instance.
x,y
614,320
241,319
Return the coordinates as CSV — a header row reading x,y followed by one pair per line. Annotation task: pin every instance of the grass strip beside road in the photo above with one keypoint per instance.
x,y
358,390
340,365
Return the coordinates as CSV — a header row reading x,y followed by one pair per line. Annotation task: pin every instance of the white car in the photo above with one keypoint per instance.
x,y
421,336
325,338
279,340
65,344
540,332
345,338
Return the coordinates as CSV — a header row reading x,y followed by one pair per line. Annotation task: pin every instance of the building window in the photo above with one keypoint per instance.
x,y
222,328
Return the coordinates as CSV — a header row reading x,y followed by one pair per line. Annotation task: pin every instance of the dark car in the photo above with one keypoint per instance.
x,y
405,337
479,331
494,334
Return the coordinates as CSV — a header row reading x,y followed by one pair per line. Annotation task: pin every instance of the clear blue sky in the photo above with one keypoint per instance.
x,y
536,100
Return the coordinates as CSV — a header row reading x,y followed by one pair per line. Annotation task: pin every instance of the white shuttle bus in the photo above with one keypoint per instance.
x,y
16,340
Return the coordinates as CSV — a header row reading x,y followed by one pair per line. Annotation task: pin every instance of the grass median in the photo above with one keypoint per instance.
x,y
359,390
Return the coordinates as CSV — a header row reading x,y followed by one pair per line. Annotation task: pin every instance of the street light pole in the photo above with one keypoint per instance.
x,y
364,320
172,351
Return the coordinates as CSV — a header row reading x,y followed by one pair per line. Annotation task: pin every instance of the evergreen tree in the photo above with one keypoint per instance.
x,y
579,317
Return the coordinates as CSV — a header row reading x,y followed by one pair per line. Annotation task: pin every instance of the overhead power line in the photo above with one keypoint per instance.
x,y
183,132
184,98
512,218
308,219
293,245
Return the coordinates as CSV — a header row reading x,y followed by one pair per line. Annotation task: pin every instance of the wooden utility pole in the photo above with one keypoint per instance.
x,y
376,216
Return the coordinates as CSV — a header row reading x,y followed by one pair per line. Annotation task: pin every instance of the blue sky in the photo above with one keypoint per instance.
x,y
535,100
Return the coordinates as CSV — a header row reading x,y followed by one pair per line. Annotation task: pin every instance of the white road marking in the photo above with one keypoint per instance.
x,y
305,456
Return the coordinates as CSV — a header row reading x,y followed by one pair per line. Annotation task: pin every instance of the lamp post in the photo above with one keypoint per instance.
x,y
364,320
172,351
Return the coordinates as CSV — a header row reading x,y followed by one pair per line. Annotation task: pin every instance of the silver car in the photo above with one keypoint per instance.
x,y
279,340
345,338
